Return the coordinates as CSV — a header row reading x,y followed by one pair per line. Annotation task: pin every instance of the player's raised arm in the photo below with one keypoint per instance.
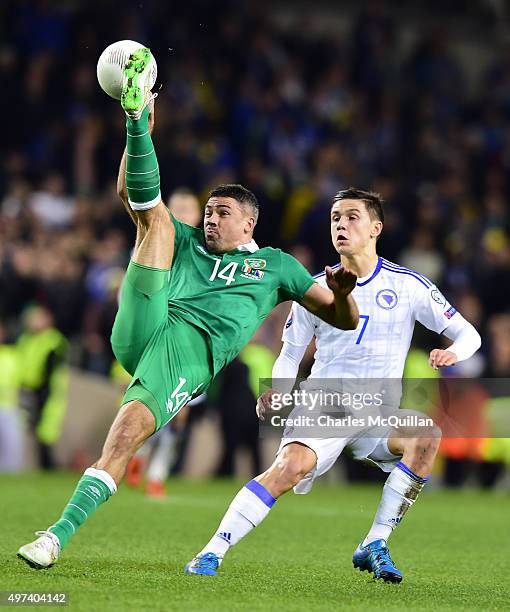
x,y
336,307
433,311
466,341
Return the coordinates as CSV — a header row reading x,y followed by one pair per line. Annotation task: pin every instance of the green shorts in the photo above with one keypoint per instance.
x,y
169,359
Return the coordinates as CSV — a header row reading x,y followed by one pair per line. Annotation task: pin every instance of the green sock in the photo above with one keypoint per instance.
x,y
90,493
142,170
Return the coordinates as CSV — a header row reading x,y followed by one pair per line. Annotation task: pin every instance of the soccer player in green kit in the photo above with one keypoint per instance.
x,y
190,301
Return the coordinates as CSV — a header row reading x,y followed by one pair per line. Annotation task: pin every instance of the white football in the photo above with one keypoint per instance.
x,y
111,64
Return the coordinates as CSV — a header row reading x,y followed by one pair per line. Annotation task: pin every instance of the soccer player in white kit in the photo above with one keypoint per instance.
x,y
390,299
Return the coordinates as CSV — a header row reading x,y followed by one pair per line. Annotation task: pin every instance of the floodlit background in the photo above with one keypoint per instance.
x,y
295,100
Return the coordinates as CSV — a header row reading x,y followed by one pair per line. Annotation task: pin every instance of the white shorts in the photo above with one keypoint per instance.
x,y
364,447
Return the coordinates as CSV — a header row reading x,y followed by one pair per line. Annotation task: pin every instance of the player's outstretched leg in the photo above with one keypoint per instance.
x,y
400,491
131,427
155,231
252,504
154,251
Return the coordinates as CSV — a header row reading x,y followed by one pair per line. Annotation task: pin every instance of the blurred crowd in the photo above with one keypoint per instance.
x,y
293,113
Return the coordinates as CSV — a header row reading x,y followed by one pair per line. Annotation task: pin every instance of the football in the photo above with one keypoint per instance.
x,y
111,63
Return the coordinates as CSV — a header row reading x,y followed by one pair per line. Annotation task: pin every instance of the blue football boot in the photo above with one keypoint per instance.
x,y
375,558
205,564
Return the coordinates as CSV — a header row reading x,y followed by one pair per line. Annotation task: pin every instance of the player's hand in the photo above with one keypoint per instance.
x,y
264,404
439,358
151,116
341,281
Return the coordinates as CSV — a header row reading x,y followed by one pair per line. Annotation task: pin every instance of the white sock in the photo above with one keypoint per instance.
x,y
103,476
399,493
247,510
159,464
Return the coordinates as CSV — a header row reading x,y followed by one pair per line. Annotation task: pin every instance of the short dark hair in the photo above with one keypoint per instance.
x,y
373,201
238,193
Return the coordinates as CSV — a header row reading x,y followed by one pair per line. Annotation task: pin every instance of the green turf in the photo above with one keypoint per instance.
x,y
453,549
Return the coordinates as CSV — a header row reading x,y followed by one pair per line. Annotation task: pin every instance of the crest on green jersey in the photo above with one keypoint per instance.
x,y
253,263
253,268
252,274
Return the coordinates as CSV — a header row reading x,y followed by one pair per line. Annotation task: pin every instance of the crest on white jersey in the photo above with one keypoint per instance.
x,y
387,299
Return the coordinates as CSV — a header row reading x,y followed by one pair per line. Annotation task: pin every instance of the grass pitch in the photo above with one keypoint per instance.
x,y
453,548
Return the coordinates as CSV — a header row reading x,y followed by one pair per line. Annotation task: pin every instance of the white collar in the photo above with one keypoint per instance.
x,y
251,246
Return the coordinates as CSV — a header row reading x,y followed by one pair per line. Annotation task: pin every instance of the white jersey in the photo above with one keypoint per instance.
x,y
389,300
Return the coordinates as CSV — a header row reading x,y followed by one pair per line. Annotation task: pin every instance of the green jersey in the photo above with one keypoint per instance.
x,y
229,295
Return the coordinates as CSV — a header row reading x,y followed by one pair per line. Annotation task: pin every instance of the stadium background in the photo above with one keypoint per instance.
x,y
295,104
